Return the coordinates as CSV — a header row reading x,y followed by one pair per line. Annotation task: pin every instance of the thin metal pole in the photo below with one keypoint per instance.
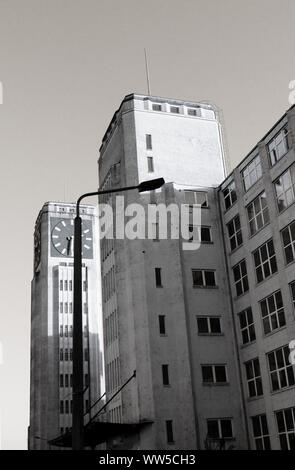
x,y
147,72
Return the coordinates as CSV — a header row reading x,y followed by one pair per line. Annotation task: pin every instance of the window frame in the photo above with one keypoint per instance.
x,y
214,375
220,436
248,326
262,437
208,321
284,132
272,298
261,213
264,263
285,189
292,241
255,379
204,285
278,370
237,235
229,196
285,432
246,169
242,278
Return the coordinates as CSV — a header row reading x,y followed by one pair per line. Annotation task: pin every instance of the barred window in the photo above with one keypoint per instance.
x,y
235,232
247,326
278,146
254,380
214,373
280,369
258,214
285,188
252,172
220,428
260,432
286,428
265,261
288,237
272,311
241,277
230,195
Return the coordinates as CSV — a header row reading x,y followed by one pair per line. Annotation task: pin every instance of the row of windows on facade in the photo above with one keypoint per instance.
x,y
176,109
201,277
265,263
113,374
66,354
108,284
111,327
67,285
277,148
272,315
67,307
66,406
67,331
66,380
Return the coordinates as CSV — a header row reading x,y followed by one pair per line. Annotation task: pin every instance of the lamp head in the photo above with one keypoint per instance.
x,y
151,185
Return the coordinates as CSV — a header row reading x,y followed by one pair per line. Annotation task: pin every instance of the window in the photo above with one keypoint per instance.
x,y
292,287
281,371
198,198
66,355
66,307
148,141
258,215
214,374
162,326
288,237
260,432
61,407
86,380
70,285
235,232
71,331
174,109
230,195
203,278
169,431
71,354
219,428
66,331
61,380
272,312
191,112
209,325
265,261
286,428
61,355
285,188
61,331
150,162
158,277
156,107
84,286
61,307
165,374
60,285
66,285
67,406
247,326
278,146
85,309
253,375
70,307
240,277
200,233
252,173
66,380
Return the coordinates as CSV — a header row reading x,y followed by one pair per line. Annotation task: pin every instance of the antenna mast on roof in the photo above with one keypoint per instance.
x,y
147,72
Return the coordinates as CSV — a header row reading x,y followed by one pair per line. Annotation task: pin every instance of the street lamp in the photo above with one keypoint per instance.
x,y
78,408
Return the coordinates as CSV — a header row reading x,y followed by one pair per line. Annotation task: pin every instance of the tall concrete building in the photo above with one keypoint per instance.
x,y
167,311
52,321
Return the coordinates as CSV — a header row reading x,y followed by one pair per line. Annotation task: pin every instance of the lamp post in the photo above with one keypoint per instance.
x,y
78,409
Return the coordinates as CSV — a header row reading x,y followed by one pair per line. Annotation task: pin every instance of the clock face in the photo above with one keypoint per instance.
x,y
62,238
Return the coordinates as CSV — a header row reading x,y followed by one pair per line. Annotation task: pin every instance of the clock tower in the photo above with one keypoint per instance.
x,y
52,321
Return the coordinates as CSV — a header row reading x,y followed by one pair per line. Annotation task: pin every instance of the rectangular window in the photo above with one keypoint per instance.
x,y
85,309
70,307
252,173
61,285
84,286
150,162
70,285
71,331
61,355
61,407
280,369
174,109
158,277
260,432
191,112
247,326
86,380
148,141
278,146
66,331
292,288
66,380
285,188
214,373
235,232
61,331
169,431
253,376
198,198
219,428
86,355
272,312
286,428
200,233
265,261
61,380
66,355
230,195
162,326
61,309
209,325
203,278
66,285
156,107
288,237
66,307
67,406
165,374
258,215
71,354
241,277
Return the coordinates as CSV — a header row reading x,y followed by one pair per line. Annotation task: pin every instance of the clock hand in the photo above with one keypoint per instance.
x,y
69,245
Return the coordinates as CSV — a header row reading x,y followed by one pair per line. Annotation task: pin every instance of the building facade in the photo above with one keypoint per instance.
x,y
52,321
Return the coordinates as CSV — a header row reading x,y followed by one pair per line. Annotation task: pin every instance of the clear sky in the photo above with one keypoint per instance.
x,y
65,66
